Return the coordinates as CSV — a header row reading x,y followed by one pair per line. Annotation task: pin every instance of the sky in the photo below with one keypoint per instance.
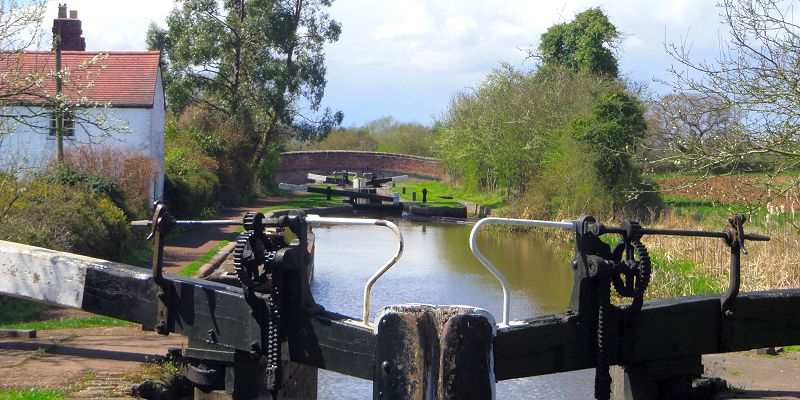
x,y
407,58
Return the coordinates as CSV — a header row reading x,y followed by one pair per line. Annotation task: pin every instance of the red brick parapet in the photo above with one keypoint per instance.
x,y
294,165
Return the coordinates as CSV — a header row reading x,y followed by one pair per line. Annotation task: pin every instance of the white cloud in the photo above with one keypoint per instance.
x,y
422,51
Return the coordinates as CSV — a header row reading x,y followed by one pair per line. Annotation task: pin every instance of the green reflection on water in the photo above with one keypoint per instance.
x,y
533,269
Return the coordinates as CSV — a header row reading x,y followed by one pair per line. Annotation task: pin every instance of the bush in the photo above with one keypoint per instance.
x,y
187,195
65,217
126,177
189,183
100,185
566,185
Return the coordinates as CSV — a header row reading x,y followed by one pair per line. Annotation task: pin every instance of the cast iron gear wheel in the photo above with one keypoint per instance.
x,y
634,279
248,256
253,222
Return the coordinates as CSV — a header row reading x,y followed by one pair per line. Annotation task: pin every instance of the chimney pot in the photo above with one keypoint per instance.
x,y
68,30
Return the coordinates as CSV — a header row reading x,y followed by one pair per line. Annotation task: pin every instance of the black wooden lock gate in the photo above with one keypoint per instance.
x,y
268,337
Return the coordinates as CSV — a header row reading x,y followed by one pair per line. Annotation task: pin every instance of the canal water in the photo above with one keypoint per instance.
x,y
438,267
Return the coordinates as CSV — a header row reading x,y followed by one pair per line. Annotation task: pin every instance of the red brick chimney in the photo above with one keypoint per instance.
x,y
69,29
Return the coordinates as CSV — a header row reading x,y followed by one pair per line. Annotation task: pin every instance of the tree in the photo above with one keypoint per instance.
x,y
680,122
561,138
252,63
755,76
612,130
584,44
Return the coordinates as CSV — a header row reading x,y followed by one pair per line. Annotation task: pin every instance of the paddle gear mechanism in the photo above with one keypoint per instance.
x,y
627,268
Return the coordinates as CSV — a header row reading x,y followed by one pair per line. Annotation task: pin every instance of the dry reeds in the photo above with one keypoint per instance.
x,y
691,266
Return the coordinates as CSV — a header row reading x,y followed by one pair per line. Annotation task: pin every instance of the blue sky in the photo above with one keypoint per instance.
x,y
406,58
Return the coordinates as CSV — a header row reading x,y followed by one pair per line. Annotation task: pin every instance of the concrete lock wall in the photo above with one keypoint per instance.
x,y
294,165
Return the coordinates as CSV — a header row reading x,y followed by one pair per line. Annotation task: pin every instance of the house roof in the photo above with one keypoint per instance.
x,y
123,79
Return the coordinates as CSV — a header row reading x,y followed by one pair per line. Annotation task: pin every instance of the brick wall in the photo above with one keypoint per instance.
x,y
294,165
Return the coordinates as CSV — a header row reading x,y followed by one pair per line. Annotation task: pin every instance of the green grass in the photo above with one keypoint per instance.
x,y
31,394
791,348
679,278
14,310
194,266
68,323
489,199
716,213
310,200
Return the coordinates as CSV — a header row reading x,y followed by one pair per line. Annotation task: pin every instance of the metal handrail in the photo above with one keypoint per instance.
x,y
507,221
317,220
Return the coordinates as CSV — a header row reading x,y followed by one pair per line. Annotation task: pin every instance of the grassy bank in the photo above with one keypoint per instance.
x,y
493,200
31,394
68,323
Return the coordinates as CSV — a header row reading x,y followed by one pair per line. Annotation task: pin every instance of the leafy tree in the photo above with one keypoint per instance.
x,y
559,139
251,63
584,44
613,129
755,76
407,138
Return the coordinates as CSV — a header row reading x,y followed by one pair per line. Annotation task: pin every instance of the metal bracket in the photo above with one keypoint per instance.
x,y
161,224
735,241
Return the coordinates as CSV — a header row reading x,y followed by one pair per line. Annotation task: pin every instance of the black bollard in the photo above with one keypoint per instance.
x,y
424,195
404,190
328,192
413,196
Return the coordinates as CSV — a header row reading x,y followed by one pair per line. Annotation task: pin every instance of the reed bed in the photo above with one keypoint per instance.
x,y
690,266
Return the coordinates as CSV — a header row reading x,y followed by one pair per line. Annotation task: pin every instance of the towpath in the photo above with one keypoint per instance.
x,y
190,245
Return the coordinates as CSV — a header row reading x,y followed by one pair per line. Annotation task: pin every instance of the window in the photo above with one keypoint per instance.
x,y
69,124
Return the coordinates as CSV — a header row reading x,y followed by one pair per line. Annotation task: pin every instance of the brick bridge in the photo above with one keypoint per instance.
x,y
294,165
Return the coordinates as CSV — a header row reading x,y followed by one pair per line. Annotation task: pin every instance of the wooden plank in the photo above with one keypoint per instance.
x,y
346,193
333,342
763,319
543,345
44,275
665,329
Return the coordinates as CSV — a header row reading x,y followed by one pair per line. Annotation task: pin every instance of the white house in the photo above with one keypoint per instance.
x,y
123,88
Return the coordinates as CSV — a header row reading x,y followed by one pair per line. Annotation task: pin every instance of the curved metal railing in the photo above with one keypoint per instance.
x,y
473,245
317,220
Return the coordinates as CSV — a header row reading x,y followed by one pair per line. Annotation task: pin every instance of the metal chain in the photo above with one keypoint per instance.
x,y
602,377
274,325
